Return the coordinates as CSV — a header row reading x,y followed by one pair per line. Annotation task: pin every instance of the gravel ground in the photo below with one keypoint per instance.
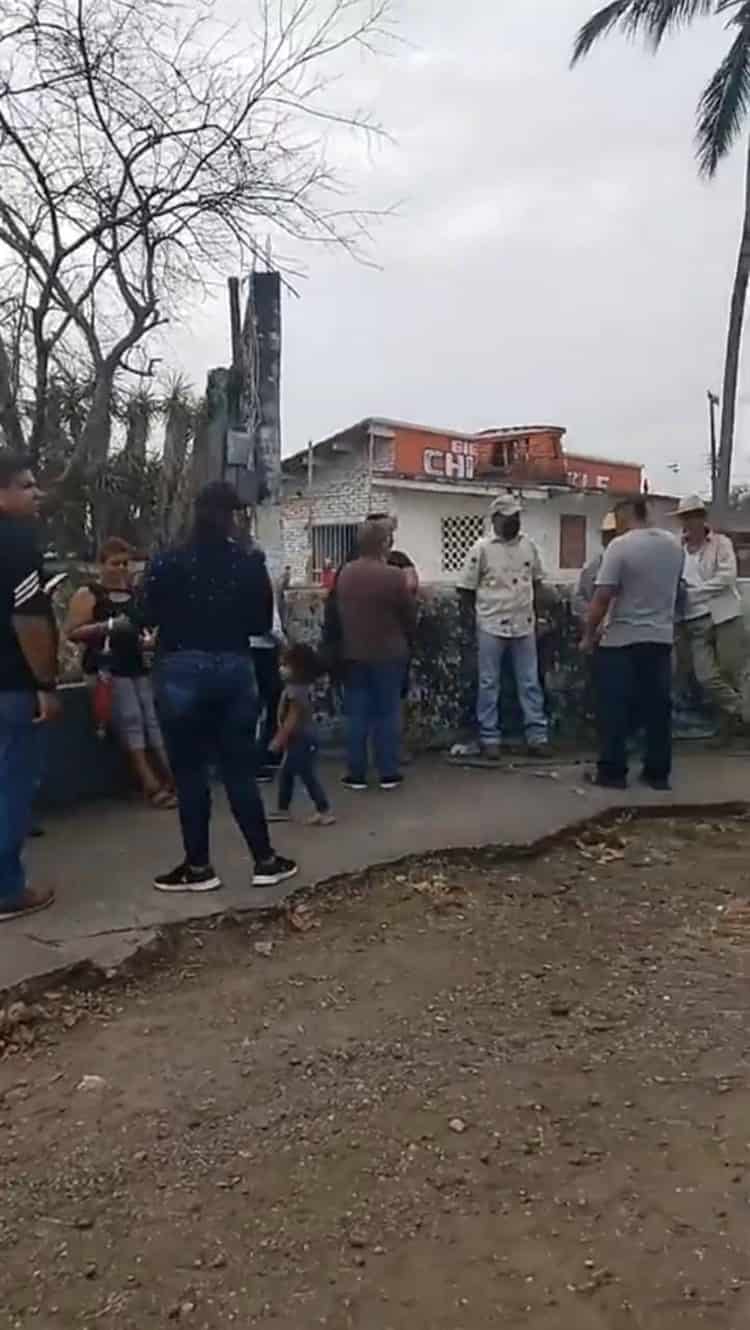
x,y
464,1096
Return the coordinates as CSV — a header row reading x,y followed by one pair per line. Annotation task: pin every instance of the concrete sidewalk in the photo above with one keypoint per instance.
x,y
103,857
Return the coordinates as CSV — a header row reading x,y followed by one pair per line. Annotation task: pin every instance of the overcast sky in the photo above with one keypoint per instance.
x,y
555,257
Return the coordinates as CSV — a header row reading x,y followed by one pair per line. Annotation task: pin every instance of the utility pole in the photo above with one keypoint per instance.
x,y
233,284
239,467
713,403
261,338
310,561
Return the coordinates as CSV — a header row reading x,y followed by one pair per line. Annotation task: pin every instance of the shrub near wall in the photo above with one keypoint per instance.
x,y
441,701
442,694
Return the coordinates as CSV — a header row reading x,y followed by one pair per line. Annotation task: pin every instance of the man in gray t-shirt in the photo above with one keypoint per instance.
x,y
643,568
632,619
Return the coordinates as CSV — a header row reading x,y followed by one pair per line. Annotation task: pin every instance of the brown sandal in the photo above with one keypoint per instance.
x,y
163,799
32,901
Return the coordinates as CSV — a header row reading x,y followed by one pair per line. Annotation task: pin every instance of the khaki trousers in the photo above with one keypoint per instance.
x,y
717,656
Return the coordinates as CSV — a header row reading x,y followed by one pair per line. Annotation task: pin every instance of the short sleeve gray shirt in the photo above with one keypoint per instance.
x,y
644,568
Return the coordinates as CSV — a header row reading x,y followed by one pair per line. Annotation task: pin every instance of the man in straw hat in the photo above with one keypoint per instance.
x,y
711,638
498,583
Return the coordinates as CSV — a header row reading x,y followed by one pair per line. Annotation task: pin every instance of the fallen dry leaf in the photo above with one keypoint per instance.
x,y
302,919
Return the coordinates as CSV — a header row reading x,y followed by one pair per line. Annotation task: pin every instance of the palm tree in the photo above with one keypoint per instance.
x,y
722,112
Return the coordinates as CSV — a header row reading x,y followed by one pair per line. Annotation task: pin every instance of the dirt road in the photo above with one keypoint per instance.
x,y
458,1098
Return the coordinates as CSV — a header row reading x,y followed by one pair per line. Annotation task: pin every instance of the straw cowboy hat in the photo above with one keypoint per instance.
x,y
692,503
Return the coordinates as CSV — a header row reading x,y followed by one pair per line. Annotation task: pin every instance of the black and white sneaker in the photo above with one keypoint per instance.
x,y
655,782
185,878
273,871
391,782
352,783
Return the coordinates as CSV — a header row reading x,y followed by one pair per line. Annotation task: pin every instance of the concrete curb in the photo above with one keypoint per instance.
x,y
138,950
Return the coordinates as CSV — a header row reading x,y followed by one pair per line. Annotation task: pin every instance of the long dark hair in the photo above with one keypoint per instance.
x,y
215,507
303,662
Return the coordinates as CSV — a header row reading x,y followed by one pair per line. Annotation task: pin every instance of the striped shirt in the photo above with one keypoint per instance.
x,y
21,592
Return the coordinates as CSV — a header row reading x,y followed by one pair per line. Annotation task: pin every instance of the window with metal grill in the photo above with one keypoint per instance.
x,y
334,541
458,534
572,541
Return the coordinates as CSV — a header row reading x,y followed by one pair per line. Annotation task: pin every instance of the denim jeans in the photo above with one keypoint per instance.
x,y
208,709
270,687
634,687
20,773
372,700
300,760
526,669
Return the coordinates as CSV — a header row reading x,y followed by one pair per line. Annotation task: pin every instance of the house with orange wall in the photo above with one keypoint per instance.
x,y
439,483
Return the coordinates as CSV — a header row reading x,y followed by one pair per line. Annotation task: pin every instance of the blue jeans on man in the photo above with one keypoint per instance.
x,y
372,701
634,689
20,771
208,709
522,651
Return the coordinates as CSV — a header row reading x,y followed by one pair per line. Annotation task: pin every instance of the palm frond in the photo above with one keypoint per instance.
x,y
723,108
662,16
597,27
652,18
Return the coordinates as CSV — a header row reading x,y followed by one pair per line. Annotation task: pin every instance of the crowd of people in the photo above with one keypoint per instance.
x,y
643,594
230,693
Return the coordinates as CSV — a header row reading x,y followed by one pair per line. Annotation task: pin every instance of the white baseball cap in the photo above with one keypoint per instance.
x,y
506,505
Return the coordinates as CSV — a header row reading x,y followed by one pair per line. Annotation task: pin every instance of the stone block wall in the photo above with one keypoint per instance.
x,y
340,494
77,767
441,699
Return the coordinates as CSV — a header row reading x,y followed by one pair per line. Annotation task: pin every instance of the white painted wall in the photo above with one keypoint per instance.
x,y
341,494
420,515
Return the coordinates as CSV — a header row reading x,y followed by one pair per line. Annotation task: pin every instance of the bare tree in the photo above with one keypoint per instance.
x,y
143,143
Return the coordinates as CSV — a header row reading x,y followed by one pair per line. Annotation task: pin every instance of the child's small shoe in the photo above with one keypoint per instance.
x,y
321,820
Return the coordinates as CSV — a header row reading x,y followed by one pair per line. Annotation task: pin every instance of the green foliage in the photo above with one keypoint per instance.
x,y
723,107
141,493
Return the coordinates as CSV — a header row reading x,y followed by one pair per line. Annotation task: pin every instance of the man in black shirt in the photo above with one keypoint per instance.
x,y
207,599
28,669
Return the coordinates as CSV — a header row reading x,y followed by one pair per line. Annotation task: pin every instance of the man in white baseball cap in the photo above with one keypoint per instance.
x,y
497,586
584,592
711,637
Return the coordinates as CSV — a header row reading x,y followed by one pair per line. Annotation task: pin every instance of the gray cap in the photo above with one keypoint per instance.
x,y
506,505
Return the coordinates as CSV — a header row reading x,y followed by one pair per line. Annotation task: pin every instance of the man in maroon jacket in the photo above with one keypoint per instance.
x,y
377,612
